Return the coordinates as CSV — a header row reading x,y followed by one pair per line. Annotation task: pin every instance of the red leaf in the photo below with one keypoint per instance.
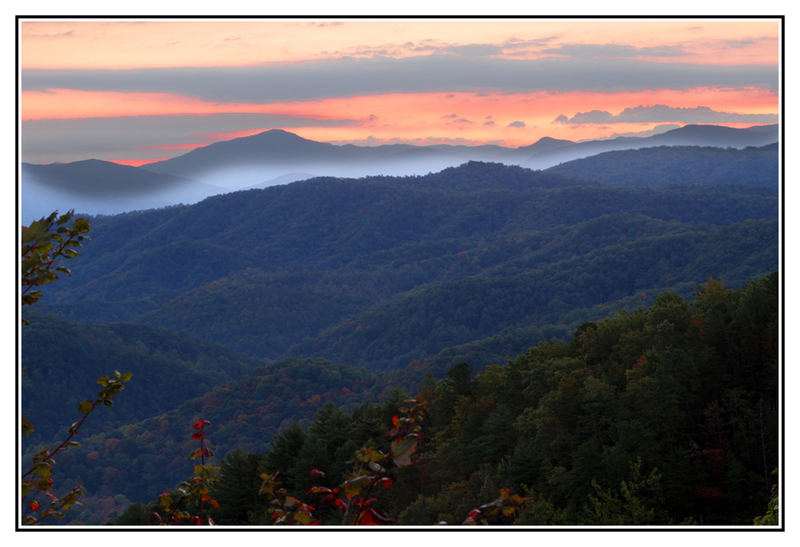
x,y
35,505
317,473
386,482
198,436
371,517
201,424
395,420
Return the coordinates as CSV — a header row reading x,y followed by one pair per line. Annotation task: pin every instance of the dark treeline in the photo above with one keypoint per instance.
x,y
664,415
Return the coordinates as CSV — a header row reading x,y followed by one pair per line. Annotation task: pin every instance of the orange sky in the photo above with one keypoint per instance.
x,y
502,116
159,43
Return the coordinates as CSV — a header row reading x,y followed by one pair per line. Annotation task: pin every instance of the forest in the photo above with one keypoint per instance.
x,y
483,345
661,416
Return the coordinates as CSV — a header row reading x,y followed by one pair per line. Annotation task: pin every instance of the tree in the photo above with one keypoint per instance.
x,y
44,243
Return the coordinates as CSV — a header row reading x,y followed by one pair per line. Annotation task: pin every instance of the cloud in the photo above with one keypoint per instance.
x,y
66,34
455,119
561,118
595,51
474,50
107,138
664,113
517,124
657,130
488,123
431,73
594,116
518,43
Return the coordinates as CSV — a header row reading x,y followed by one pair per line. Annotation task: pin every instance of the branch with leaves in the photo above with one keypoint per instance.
x,y
44,243
39,478
185,505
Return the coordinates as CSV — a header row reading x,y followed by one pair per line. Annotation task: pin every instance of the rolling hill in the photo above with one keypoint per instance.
x,y
264,271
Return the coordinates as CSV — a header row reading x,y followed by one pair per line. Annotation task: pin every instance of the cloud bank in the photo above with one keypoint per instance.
x,y
434,73
664,113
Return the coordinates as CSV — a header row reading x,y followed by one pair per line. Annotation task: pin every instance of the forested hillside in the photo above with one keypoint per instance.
x,y
63,359
280,271
138,460
660,416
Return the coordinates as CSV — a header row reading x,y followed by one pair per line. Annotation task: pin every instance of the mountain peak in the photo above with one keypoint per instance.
x,y
546,143
550,140
274,136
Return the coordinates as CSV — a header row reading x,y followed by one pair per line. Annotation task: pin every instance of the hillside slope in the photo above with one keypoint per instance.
x,y
266,270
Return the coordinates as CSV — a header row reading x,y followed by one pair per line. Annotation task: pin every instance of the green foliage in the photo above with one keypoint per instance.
x,y
44,243
772,515
236,489
626,506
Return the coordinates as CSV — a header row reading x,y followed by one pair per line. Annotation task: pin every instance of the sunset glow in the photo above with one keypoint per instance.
x,y
501,81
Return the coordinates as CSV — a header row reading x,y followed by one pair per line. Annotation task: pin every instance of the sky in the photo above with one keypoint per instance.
x,y
141,90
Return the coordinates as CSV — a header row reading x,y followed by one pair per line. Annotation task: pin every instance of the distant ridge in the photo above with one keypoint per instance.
x,y
102,187
101,178
277,152
275,156
662,166
689,135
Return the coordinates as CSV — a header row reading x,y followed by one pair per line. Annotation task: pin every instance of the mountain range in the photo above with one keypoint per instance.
x,y
254,308
279,157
